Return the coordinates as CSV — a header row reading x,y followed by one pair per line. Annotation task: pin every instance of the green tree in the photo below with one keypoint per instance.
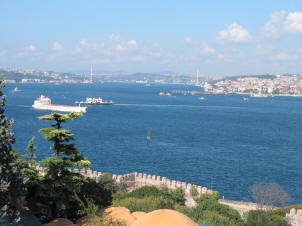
x,y
65,154
193,191
178,196
11,181
210,211
60,184
60,191
30,171
30,155
263,218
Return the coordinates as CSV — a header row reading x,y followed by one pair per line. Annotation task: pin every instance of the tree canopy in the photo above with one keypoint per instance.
x,y
11,181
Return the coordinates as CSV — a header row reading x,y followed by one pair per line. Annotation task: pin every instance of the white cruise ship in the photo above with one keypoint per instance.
x,y
44,103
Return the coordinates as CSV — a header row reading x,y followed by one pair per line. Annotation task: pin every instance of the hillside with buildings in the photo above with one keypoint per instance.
x,y
257,85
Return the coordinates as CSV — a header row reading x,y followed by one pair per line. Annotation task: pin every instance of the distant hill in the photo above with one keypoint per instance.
x,y
51,76
233,78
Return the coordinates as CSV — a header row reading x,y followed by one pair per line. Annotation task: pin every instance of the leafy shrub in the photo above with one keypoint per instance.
x,y
149,198
283,211
177,195
146,204
110,184
81,192
209,211
146,191
210,217
214,218
194,192
263,218
94,220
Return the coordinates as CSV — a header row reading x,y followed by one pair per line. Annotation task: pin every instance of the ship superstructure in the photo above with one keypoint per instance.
x,y
94,101
44,103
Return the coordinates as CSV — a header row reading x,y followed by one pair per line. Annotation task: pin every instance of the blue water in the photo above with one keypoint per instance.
x,y
222,142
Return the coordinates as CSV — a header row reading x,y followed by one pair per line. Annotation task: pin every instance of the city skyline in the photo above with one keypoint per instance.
x,y
218,38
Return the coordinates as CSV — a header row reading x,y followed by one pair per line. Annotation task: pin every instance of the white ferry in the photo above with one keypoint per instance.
x,y
94,101
44,103
258,95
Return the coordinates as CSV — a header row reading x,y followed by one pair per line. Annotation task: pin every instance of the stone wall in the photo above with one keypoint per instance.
x,y
240,206
294,217
136,180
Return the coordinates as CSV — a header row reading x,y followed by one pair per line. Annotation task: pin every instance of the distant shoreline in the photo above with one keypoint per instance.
x,y
255,95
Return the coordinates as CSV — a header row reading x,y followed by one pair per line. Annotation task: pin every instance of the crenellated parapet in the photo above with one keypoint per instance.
x,y
136,180
294,217
140,180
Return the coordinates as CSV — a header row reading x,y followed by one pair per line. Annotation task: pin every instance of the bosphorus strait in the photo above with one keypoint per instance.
x,y
221,142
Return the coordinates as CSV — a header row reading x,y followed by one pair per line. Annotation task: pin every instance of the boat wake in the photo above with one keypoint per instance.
x,y
19,105
181,105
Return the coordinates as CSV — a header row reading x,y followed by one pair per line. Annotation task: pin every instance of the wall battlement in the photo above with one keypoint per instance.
x,y
294,217
136,180
141,180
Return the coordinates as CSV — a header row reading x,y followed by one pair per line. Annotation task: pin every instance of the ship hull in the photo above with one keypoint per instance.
x,y
63,108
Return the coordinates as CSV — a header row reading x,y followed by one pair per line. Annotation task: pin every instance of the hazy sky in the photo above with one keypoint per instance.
x,y
218,37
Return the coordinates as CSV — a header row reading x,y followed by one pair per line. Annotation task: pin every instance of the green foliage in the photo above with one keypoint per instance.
x,y
149,198
30,156
29,171
109,184
178,196
71,194
283,211
94,220
60,191
193,191
91,196
59,118
263,218
11,180
146,191
209,211
70,156
146,204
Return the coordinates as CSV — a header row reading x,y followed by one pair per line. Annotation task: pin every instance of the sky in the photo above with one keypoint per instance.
x,y
231,37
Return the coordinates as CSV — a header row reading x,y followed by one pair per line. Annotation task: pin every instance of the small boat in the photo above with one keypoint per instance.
x,y
16,89
201,98
148,137
245,98
254,95
165,94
